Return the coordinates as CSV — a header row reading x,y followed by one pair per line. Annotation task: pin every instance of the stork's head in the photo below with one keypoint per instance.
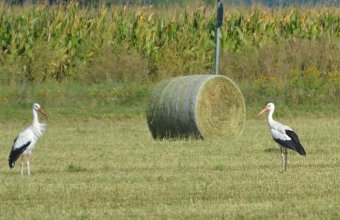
x,y
269,107
37,108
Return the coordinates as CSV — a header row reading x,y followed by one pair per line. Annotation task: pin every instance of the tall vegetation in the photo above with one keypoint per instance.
x,y
263,49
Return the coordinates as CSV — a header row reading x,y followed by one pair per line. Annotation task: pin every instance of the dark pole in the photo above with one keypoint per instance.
x,y
218,33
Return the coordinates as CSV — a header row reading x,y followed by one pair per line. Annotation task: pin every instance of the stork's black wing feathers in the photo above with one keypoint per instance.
x,y
15,153
297,144
293,144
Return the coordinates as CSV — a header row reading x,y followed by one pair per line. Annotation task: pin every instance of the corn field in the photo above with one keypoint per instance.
x,y
40,42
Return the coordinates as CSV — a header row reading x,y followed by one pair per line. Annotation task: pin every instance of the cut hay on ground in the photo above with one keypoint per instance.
x,y
201,106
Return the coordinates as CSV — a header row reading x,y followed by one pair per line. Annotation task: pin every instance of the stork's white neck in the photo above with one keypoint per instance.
x,y
35,118
38,128
270,117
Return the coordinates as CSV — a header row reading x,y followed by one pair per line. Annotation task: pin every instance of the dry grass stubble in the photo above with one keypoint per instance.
x,y
95,169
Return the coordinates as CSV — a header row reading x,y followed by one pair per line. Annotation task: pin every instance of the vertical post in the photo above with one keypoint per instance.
x,y
218,33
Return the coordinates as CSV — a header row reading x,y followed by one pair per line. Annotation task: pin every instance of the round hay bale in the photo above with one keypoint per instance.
x,y
201,106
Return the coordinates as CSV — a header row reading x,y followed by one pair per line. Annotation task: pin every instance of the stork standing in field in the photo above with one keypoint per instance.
x,y
26,140
283,135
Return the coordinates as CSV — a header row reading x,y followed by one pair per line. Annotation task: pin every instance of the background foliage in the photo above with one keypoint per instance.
x,y
68,54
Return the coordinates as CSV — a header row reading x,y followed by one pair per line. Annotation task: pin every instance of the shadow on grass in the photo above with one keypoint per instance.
x,y
271,150
75,168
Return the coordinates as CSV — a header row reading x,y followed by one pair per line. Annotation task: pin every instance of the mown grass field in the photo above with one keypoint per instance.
x,y
113,169
93,70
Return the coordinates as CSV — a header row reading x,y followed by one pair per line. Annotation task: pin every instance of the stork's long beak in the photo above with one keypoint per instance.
x,y
264,110
42,112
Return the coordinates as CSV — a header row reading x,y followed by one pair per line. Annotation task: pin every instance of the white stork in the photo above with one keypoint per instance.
x,y
283,135
26,140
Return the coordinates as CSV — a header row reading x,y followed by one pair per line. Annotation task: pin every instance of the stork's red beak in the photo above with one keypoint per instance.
x,y
42,112
264,110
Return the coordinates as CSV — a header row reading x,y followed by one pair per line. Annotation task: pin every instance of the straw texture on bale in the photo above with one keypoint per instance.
x,y
201,106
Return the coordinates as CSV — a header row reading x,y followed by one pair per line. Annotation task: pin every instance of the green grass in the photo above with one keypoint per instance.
x,y
97,159
112,169
120,100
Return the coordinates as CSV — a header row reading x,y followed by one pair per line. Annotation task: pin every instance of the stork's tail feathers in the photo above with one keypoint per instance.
x,y
11,164
13,156
297,145
300,150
